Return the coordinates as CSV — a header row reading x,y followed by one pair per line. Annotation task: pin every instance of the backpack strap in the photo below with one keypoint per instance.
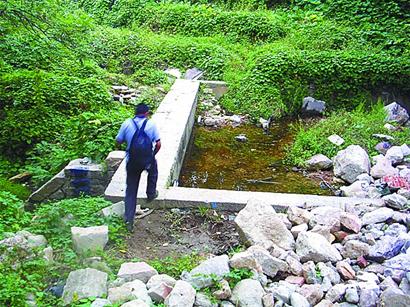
x,y
141,130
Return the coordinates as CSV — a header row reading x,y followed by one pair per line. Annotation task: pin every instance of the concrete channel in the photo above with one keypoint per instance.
x,y
175,120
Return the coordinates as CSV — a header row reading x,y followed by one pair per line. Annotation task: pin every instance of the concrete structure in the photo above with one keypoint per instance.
x,y
175,120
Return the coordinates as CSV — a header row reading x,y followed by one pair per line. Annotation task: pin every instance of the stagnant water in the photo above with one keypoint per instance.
x,y
215,160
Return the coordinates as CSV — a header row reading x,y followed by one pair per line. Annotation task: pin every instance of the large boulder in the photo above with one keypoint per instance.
x,y
311,106
315,247
136,270
248,292
199,277
89,238
183,295
377,216
396,113
319,162
84,283
351,162
259,224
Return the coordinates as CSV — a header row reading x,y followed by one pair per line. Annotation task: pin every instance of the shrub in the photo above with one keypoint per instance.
x,y
12,214
20,191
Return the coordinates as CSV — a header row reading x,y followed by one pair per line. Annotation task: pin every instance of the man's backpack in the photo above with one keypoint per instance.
x,y
140,155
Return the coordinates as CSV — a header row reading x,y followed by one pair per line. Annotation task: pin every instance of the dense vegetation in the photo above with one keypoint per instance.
x,y
58,59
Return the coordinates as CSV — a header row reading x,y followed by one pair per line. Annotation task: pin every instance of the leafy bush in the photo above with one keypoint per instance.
x,y
354,127
199,20
20,191
12,214
174,266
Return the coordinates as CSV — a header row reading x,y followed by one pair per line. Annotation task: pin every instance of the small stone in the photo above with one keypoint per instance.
x,y
135,303
161,278
367,277
325,231
159,292
295,267
345,270
136,270
351,295
295,280
312,246
394,297
224,292
351,222
380,215
267,300
296,230
312,293
354,249
100,302
270,265
357,189
309,273
325,303
336,293
297,299
336,140
248,292
183,294
382,147
117,210
395,201
404,192
368,298
395,155
202,300
120,294
298,216
362,262
313,107
383,168
319,162
386,248
89,238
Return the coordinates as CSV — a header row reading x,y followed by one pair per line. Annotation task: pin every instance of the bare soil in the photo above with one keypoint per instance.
x,y
179,232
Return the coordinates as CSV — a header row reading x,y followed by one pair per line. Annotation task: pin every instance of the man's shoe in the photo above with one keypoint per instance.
x,y
130,226
151,198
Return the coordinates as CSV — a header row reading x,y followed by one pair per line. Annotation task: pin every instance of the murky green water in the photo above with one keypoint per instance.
x,y
215,160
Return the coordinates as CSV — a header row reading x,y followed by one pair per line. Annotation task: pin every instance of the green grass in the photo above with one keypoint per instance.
x,y
355,127
22,192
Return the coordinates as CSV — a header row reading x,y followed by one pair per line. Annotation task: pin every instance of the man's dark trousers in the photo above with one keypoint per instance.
x,y
133,181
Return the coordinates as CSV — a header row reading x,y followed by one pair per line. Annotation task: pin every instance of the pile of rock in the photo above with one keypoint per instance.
x,y
124,94
351,256
29,245
379,176
213,115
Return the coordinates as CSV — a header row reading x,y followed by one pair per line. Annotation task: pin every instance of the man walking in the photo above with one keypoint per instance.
x,y
133,132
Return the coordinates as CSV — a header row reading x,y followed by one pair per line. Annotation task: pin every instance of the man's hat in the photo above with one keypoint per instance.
x,y
141,108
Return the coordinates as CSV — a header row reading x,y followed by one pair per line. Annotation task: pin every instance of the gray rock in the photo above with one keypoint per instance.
x,y
48,188
226,304
120,295
358,189
296,230
328,271
295,267
380,215
202,300
395,230
319,162
217,266
351,162
297,300
245,260
395,201
183,295
161,278
365,177
312,293
259,224
138,290
36,241
312,246
248,292
353,249
325,303
298,216
117,210
241,138
270,265
311,106
224,290
404,192
396,113
336,293
100,302
309,273
395,155
135,303
84,283
351,295
394,298
268,300
368,298
405,286
405,149
89,238
382,168
382,147
326,216
336,140
136,270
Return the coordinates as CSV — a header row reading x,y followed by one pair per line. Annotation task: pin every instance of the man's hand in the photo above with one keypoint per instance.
x,y
157,147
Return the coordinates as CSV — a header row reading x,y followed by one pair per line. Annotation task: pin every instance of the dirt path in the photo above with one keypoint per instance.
x,y
179,232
